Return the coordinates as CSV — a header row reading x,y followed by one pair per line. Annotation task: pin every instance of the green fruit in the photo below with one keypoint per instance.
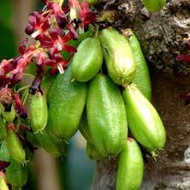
x,y
87,60
83,127
15,147
144,121
82,35
9,116
16,174
3,184
56,149
154,5
130,167
38,112
93,153
142,77
66,100
3,130
118,56
106,115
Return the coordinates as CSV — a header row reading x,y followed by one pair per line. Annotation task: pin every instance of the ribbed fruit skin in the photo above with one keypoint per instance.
x,y
106,115
144,121
130,167
118,56
66,101
142,76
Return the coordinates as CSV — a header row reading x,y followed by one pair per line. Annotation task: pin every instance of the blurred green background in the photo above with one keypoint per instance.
x,y
76,170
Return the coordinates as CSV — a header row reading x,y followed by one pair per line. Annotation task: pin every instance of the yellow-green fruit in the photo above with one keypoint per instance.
x,y
142,76
118,56
15,147
154,5
106,115
66,101
130,167
87,61
38,112
144,121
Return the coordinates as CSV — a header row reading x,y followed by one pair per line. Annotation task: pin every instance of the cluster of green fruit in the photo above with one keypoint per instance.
x,y
104,91
118,98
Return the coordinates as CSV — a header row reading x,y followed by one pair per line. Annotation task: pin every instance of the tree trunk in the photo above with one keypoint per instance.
x,y
162,36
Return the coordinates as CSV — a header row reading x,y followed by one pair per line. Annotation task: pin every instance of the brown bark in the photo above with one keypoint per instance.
x,y
162,36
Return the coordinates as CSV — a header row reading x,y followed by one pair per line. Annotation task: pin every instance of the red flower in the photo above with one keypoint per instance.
x,y
57,63
57,41
37,24
85,15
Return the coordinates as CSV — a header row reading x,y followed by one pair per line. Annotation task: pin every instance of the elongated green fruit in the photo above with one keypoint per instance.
x,y
142,76
130,167
38,112
3,130
118,56
3,184
154,5
66,100
144,121
15,147
16,174
106,115
87,60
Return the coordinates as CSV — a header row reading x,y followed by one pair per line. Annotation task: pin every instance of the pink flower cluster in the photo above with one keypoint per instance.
x,y
51,29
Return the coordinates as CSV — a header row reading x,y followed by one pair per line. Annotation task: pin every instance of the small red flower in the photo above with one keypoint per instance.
x,y
37,24
57,42
85,15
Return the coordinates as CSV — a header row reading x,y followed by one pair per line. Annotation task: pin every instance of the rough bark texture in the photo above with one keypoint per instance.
x,y
162,36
